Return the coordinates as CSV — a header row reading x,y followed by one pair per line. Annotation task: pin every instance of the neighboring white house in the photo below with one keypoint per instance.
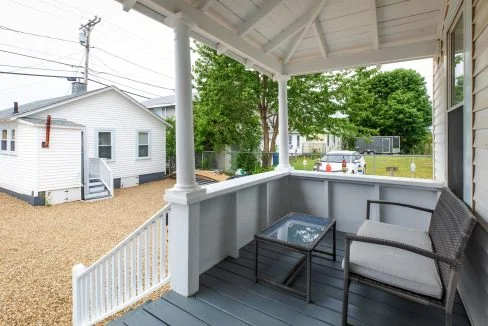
x,y
163,107
79,146
299,144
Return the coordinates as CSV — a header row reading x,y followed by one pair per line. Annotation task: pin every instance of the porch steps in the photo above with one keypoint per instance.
x,y
96,190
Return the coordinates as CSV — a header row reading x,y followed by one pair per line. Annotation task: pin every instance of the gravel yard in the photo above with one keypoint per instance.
x,y
40,245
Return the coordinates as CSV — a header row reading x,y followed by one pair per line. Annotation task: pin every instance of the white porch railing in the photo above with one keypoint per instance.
x,y
130,271
98,168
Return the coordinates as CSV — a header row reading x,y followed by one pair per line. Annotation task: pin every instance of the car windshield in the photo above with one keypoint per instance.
x,y
337,158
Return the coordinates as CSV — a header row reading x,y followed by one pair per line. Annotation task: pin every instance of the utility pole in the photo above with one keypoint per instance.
x,y
85,41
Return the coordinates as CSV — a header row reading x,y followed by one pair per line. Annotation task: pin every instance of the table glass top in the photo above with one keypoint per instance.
x,y
298,229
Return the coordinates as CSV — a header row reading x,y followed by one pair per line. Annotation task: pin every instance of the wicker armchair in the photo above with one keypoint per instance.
x,y
416,265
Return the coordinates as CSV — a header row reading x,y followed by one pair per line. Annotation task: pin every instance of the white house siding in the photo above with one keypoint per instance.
x,y
18,170
439,118
474,281
60,165
110,111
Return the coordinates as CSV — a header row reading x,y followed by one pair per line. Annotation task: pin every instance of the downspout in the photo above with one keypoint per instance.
x,y
45,144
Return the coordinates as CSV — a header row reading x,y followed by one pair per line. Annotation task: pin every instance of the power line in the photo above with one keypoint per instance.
x,y
136,89
33,57
38,35
39,10
23,67
98,82
33,75
27,49
133,63
130,79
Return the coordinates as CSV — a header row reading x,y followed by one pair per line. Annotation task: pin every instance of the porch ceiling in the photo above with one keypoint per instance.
x,y
299,37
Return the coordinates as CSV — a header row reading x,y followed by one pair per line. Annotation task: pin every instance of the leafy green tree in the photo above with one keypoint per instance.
x,y
170,138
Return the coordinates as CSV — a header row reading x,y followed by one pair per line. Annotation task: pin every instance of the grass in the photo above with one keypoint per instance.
x,y
377,164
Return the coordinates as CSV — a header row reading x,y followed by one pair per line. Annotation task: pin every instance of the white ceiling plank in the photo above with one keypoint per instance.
x,y
367,58
374,26
209,29
296,26
257,16
321,38
204,5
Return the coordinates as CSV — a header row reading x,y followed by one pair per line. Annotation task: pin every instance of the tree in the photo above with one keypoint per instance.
x,y
393,103
238,106
170,138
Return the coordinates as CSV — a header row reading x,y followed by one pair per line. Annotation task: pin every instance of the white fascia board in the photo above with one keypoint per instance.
x,y
321,37
257,16
403,52
210,29
296,26
128,4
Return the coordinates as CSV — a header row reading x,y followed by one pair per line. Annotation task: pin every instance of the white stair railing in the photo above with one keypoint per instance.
x,y
130,271
107,176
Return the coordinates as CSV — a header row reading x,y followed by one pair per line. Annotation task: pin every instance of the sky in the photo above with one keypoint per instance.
x,y
126,44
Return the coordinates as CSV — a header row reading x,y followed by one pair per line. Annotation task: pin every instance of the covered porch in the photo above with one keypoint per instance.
x,y
210,229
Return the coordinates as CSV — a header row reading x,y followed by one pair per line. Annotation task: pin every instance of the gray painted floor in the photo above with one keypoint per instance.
x,y
228,295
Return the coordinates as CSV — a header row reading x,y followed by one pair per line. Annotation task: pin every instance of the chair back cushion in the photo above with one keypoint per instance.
x,y
450,227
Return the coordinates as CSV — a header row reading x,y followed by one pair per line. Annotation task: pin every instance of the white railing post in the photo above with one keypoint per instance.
x,y
77,313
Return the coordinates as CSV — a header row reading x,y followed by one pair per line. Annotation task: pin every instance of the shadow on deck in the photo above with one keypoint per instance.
x,y
228,295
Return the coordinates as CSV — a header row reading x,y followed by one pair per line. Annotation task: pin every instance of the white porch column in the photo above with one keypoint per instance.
x,y
184,220
185,148
284,163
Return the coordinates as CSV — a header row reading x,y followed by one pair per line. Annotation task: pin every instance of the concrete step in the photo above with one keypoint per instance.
x,y
96,189
97,195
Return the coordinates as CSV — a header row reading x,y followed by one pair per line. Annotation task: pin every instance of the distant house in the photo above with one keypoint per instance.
x,y
299,144
163,107
79,146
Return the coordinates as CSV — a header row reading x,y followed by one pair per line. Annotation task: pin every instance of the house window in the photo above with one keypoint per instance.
x,y
289,140
298,140
4,140
12,140
457,62
143,144
105,144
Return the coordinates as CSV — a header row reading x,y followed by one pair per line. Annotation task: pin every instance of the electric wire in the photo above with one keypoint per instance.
x,y
98,82
38,58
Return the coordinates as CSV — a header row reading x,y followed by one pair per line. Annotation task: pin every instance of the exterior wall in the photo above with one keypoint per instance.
x,y
439,118
109,111
474,280
18,169
59,166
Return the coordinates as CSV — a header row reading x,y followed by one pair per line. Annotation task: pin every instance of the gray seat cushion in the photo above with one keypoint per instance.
x,y
395,266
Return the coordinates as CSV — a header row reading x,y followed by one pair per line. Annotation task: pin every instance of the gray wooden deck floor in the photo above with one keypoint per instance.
x,y
228,295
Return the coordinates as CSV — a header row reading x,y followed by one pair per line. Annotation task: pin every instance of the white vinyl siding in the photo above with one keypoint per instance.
x,y
111,111
59,165
18,170
439,119
474,279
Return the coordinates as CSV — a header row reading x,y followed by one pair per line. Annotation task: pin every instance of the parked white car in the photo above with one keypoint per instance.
x,y
355,163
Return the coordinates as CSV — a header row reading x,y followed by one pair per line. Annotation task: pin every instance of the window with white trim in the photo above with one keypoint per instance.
x,y
298,140
105,143
143,144
4,141
12,140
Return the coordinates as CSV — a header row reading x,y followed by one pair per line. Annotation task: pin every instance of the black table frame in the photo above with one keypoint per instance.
x,y
307,252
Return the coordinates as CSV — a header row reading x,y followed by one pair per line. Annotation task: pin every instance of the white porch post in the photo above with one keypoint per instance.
x,y
184,221
284,163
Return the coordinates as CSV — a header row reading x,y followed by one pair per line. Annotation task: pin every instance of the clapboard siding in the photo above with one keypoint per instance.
x,y
18,171
59,165
439,120
474,280
111,111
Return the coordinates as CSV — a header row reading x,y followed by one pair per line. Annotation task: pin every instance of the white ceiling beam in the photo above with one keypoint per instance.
x,y
411,51
257,16
321,37
209,29
374,25
204,5
128,4
300,35
294,27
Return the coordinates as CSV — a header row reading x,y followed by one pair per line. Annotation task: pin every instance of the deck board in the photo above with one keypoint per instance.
x,y
229,295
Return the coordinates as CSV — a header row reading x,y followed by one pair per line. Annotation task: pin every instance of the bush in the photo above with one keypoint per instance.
x,y
246,161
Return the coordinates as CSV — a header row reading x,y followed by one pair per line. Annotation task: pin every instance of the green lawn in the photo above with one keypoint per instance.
x,y
377,164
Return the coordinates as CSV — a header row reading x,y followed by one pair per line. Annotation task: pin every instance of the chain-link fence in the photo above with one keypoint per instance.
x,y
409,166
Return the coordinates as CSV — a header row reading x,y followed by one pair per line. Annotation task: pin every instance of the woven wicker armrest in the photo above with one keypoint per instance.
x,y
384,202
353,237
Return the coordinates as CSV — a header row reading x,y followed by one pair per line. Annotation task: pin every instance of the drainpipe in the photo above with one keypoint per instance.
x,y
45,144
